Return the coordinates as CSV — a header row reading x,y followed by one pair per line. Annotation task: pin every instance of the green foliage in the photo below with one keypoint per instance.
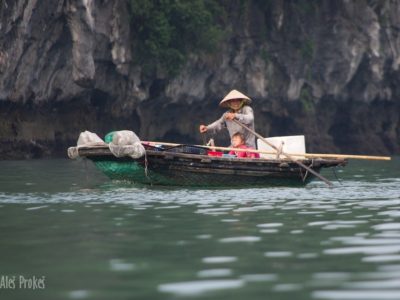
x,y
265,56
307,6
384,19
244,7
306,100
166,31
307,49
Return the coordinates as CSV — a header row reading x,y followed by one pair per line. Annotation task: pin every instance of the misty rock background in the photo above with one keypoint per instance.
x,y
326,69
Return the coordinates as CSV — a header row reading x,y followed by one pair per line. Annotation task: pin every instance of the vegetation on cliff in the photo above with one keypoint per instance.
x,y
166,31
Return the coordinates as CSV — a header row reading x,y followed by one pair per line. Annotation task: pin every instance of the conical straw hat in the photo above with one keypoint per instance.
x,y
234,94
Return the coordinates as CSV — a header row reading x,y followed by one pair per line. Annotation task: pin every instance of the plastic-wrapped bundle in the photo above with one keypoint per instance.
x,y
86,139
126,143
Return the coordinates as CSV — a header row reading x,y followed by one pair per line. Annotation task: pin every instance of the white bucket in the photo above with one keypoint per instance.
x,y
294,144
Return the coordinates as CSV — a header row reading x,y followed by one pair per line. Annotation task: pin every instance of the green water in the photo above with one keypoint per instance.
x,y
91,238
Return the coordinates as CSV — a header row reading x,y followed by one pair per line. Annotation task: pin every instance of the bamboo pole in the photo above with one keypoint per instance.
x,y
300,155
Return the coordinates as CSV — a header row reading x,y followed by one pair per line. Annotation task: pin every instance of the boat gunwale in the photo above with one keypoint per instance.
x,y
103,150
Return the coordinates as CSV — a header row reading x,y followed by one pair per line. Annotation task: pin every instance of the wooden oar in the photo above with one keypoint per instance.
x,y
310,155
284,154
344,156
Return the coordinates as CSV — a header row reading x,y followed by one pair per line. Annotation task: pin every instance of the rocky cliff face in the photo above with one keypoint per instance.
x,y
328,69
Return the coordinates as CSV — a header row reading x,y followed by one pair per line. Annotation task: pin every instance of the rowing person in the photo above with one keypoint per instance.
x,y
239,109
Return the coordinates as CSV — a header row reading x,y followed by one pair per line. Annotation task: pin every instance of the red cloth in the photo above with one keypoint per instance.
x,y
243,154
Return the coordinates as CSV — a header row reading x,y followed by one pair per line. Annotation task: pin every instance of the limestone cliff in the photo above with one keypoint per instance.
x,y
328,69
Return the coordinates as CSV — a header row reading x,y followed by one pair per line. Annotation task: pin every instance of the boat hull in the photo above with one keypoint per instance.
x,y
180,169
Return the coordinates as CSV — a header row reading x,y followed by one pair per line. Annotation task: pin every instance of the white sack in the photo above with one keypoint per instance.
x,y
126,143
86,139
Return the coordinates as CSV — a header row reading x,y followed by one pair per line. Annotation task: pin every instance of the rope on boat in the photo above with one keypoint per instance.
x,y
145,166
306,174
337,178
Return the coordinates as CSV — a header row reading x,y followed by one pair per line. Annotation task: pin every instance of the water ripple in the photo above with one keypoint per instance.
x,y
192,288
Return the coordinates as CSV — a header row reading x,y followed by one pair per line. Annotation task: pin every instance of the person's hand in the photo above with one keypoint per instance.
x,y
229,116
203,128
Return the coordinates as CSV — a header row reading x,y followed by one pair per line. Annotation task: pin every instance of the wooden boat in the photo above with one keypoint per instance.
x,y
188,165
